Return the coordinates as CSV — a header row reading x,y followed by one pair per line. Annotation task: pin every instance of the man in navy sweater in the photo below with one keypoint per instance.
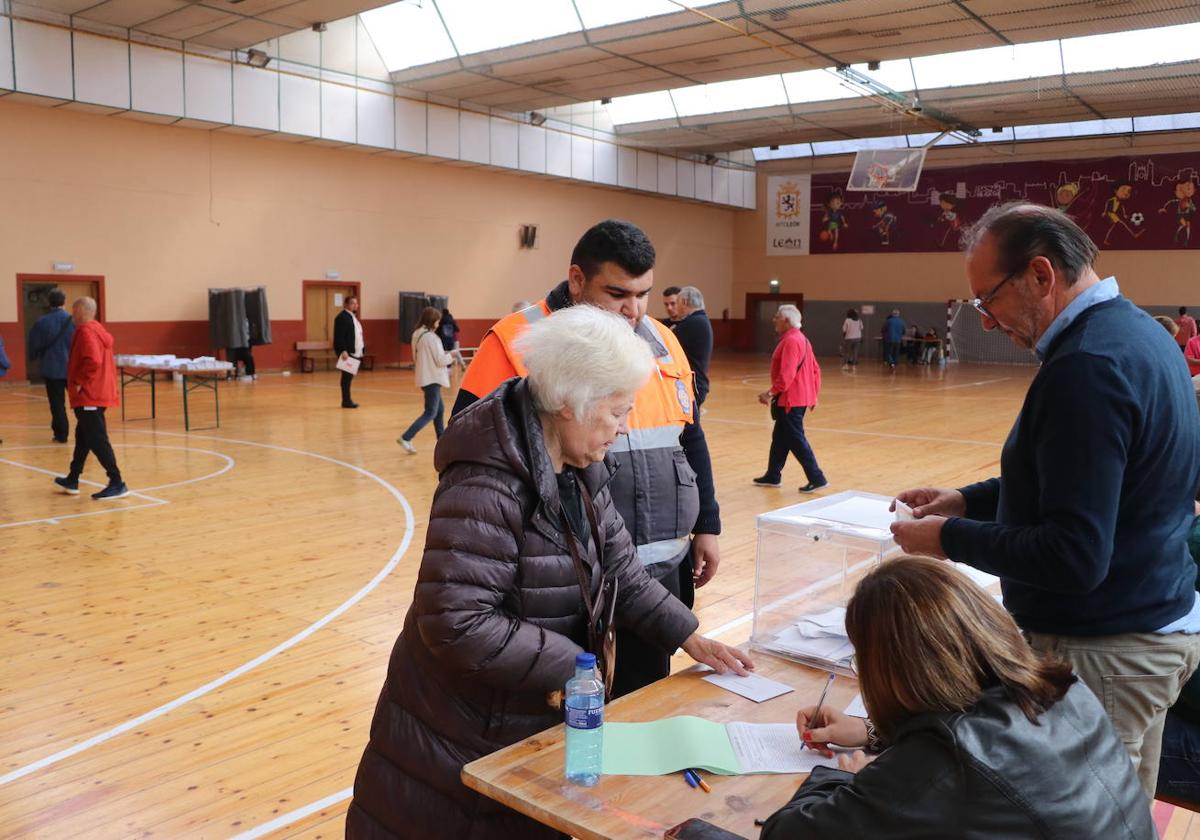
x,y
50,343
1087,524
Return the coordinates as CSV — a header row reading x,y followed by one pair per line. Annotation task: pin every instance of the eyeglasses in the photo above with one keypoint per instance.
x,y
981,303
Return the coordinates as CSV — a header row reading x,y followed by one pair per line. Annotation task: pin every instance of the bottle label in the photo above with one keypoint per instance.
x,y
585,718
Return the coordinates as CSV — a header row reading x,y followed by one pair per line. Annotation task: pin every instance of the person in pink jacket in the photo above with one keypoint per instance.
x,y
795,387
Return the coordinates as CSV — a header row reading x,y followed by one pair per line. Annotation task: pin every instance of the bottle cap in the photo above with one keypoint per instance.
x,y
585,660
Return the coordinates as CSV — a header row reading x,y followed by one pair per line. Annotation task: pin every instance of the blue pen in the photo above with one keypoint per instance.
x,y
690,779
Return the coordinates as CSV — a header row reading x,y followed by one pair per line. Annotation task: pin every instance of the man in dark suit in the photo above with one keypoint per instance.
x,y
348,341
695,334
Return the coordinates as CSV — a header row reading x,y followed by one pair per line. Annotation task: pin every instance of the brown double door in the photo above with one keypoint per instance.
x,y
322,303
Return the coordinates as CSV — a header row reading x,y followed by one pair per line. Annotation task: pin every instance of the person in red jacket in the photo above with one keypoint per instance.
x,y
795,385
91,388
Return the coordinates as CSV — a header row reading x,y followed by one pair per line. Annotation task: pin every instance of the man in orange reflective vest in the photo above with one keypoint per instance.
x,y
663,487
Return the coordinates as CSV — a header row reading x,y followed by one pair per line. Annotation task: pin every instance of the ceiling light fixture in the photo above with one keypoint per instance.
x,y
319,27
606,100
536,117
257,58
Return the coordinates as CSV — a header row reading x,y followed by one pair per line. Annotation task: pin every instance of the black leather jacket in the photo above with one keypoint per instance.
x,y
986,773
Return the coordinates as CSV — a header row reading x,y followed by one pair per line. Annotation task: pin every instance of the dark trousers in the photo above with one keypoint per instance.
x,y
641,662
347,378
243,355
891,352
788,436
434,410
1179,763
56,392
91,435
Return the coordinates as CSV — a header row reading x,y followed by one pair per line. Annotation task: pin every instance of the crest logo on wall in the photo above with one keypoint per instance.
x,y
788,200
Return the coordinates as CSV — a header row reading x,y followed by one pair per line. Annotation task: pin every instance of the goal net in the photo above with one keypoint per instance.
x,y
968,341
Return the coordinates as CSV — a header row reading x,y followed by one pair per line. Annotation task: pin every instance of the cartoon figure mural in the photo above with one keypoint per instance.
x,y
834,219
1117,214
948,216
1065,196
884,221
1185,208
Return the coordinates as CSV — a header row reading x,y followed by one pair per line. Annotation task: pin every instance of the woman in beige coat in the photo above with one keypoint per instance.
x,y
432,364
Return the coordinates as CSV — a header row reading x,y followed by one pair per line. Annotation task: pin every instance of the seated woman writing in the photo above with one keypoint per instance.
x,y
971,734
526,564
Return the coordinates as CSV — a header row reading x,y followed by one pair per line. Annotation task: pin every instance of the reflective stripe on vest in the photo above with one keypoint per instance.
x,y
663,551
658,438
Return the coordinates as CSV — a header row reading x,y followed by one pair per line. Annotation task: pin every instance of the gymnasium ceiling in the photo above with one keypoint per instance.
x,y
221,24
731,75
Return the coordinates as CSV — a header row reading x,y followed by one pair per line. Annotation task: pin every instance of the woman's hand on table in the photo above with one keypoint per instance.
x,y
721,658
830,727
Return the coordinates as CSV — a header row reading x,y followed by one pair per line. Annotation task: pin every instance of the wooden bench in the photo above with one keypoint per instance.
x,y
310,351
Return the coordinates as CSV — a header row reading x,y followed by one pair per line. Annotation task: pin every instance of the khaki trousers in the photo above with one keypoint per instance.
x,y
1137,676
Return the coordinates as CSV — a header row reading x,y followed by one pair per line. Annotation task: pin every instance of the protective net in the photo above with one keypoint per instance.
x,y
969,342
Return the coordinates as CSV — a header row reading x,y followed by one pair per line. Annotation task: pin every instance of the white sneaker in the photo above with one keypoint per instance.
x,y
408,447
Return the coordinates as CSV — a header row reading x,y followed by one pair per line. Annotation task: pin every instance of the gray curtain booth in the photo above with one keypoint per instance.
x,y
411,304
238,317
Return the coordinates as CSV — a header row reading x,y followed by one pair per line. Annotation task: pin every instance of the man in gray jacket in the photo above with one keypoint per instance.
x,y
50,344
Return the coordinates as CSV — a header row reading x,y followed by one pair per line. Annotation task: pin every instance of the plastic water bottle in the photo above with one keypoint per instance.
x,y
584,704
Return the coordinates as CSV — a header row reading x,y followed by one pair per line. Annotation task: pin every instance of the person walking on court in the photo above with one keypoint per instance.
x,y
432,363
852,329
348,342
92,388
795,387
893,336
1187,328
50,343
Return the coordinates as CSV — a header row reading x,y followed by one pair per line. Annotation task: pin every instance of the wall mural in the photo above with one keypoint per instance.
x,y
1124,203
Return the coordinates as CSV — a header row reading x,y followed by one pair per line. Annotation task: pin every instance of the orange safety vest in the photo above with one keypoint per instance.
x,y
655,488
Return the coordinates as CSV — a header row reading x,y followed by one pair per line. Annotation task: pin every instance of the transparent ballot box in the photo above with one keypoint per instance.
x,y
810,557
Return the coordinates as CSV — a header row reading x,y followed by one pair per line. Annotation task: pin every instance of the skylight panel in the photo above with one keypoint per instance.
x,y
641,107
478,26
816,86
408,34
1137,48
1168,122
994,64
597,13
791,150
897,75
1082,128
737,95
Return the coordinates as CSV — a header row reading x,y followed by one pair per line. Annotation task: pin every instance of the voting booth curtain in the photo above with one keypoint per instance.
x,y
411,304
238,317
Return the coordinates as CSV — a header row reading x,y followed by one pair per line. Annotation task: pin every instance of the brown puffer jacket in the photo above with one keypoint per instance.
x,y
495,623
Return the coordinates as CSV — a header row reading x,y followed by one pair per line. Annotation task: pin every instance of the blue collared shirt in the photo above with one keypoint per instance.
x,y
1106,289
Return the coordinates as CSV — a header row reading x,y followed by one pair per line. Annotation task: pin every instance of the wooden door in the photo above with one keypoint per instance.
x,y
35,303
322,303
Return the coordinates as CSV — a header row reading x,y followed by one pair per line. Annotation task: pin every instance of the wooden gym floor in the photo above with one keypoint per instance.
x,y
202,658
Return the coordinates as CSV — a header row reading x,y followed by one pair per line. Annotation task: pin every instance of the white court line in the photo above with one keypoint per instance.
x,y
229,463
284,820
212,685
975,384
766,425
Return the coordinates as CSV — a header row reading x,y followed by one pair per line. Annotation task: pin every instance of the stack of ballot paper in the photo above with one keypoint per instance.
x,y
818,639
678,743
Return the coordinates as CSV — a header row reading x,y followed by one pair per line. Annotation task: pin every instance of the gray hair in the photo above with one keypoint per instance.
x,y
691,297
1023,231
582,354
791,314
87,304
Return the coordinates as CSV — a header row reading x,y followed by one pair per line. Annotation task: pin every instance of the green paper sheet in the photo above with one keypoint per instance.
x,y
667,746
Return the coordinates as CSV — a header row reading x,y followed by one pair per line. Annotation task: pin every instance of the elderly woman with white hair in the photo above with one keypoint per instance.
x,y
795,388
526,564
